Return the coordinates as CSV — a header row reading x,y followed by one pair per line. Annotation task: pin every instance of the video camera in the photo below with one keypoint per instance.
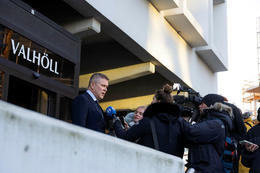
x,y
189,104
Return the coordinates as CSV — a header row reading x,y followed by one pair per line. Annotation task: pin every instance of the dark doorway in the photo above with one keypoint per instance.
x,y
32,97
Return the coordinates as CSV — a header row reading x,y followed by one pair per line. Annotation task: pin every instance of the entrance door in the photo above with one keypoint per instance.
x,y
39,61
32,97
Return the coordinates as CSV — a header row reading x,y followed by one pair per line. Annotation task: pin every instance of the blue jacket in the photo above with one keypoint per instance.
x,y
205,141
87,113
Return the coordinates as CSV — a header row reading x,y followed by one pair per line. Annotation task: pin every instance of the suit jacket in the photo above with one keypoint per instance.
x,y
87,113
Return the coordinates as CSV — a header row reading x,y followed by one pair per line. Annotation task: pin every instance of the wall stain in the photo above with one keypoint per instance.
x,y
26,148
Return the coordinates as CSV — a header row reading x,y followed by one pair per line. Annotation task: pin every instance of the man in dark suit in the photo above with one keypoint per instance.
x,y
86,111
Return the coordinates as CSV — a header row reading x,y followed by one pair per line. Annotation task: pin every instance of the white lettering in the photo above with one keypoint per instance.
x,y
51,66
56,67
28,55
36,57
44,61
13,46
22,52
45,56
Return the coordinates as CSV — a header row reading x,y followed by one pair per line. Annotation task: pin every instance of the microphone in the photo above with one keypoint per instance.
x,y
110,111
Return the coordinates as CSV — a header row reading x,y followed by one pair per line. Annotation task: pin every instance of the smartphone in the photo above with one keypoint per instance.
x,y
243,142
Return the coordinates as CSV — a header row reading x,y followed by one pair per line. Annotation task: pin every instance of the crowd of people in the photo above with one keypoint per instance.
x,y
222,140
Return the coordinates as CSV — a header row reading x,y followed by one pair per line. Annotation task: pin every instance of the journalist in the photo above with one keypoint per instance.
x,y
137,116
206,138
160,127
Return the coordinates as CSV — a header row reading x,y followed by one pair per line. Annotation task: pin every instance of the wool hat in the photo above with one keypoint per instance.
x,y
211,99
246,114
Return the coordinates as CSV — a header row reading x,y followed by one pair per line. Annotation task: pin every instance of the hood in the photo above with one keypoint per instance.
x,y
222,112
163,111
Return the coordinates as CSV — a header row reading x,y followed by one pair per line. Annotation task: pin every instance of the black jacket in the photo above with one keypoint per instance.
x,y
250,159
167,125
205,139
238,126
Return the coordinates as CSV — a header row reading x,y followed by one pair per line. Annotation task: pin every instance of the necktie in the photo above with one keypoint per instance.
x,y
99,108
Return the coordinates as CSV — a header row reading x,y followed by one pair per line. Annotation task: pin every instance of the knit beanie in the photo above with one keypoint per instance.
x,y
246,115
211,99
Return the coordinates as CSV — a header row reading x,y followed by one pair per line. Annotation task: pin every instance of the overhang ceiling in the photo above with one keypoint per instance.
x,y
102,51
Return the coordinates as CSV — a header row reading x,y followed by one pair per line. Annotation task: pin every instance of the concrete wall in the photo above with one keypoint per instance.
x,y
148,28
201,10
220,30
31,142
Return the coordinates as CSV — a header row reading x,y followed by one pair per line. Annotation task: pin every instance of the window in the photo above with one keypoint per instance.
x,y
65,109
32,97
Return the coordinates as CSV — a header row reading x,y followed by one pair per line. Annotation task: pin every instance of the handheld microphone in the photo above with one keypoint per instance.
x,y
110,111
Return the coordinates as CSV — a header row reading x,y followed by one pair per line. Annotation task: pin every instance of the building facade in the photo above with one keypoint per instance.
x,y
50,49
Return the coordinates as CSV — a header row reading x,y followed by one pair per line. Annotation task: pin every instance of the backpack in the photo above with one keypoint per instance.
x,y
230,155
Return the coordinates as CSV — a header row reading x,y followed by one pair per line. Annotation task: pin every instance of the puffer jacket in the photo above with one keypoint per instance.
x,y
206,138
168,128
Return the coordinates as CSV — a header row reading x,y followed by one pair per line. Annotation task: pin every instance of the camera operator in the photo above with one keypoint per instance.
x,y
189,104
159,128
206,138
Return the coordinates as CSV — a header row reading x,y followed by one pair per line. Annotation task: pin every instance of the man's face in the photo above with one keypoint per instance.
x,y
202,106
138,114
99,88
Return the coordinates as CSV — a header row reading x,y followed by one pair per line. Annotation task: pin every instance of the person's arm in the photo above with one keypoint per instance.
x,y
134,133
79,111
239,125
204,132
252,137
248,154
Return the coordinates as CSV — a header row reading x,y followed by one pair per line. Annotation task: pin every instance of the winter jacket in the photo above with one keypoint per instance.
x,y
238,127
248,123
206,138
252,159
168,128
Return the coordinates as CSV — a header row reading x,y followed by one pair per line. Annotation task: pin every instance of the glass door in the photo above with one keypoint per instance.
x,y
32,97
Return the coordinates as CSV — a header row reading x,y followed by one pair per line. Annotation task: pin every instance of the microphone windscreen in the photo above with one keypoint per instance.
x,y
110,111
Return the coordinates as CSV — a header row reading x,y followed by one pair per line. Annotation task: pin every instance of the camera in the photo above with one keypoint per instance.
x,y
189,103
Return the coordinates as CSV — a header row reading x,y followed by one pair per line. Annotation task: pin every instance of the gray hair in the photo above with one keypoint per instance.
x,y
97,76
